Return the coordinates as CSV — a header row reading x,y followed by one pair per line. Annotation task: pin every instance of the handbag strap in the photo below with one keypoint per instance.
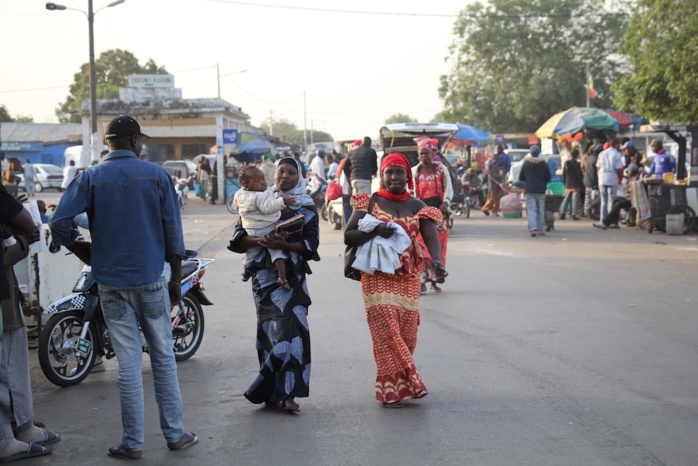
x,y
370,204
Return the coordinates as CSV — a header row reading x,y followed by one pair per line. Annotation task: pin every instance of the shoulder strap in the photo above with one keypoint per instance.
x,y
370,204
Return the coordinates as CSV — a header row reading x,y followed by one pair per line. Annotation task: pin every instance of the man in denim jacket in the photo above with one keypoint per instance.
x,y
135,228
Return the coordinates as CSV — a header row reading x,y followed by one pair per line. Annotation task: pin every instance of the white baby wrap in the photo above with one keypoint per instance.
x,y
380,254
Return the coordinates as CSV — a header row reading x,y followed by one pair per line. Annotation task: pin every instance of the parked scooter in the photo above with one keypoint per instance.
x,y
316,189
76,334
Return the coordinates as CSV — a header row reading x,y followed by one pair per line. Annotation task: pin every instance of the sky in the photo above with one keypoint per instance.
x,y
341,67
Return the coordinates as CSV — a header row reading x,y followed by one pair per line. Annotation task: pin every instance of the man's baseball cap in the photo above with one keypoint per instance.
x,y
122,126
535,149
628,144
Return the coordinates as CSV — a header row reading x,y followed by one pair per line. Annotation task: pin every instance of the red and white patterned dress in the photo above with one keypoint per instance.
x,y
392,310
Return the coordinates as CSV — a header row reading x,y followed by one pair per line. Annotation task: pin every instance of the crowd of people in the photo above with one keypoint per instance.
x,y
405,222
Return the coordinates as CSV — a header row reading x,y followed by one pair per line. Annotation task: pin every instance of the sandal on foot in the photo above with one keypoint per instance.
x,y
120,451
32,451
435,288
284,283
423,290
187,440
38,435
290,405
246,277
393,404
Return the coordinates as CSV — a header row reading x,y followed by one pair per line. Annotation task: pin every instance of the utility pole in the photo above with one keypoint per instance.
x,y
271,122
312,123
218,76
305,125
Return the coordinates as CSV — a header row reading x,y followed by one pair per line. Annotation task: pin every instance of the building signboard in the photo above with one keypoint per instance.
x,y
230,136
151,80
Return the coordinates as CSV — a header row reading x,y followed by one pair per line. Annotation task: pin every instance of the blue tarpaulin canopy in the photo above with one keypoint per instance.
x,y
471,136
252,148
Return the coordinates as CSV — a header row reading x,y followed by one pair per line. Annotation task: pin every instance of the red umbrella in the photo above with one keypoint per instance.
x,y
623,118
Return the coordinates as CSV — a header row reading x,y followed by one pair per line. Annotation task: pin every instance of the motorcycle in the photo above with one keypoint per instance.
x,y
76,334
316,189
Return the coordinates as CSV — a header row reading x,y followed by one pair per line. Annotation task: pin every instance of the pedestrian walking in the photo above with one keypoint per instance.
x,y
610,167
68,174
283,335
496,170
432,185
29,178
392,299
535,175
361,165
135,228
591,177
203,175
573,178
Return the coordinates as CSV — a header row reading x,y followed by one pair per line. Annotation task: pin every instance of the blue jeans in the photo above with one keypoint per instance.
x,y
606,199
574,195
123,311
535,209
589,197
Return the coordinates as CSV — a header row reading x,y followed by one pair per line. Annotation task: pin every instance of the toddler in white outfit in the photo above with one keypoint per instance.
x,y
259,211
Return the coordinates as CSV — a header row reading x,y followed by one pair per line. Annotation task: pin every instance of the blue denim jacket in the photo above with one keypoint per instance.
x,y
135,223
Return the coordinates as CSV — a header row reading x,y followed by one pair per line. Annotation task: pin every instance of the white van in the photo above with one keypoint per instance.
x,y
74,153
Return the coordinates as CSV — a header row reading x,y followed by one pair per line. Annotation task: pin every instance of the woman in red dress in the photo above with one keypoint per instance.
x,y
392,300
432,184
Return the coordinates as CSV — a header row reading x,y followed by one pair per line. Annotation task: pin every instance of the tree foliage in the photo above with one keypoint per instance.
x,y
517,62
5,116
287,131
111,71
399,118
662,44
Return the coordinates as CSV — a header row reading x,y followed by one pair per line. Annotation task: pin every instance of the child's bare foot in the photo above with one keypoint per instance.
x,y
284,282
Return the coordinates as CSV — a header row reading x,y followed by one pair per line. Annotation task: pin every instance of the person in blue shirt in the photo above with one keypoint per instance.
x,y
135,227
663,161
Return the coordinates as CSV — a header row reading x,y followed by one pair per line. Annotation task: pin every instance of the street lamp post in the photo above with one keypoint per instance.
x,y
94,143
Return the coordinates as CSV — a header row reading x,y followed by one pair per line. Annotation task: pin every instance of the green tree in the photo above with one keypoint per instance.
x,y
111,71
287,131
399,118
517,62
5,116
662,44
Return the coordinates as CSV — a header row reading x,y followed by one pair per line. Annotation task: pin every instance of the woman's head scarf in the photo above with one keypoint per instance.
x,y
397,159
299,191
429,143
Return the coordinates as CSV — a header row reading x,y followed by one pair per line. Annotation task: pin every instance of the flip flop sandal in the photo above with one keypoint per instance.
x,y
290,405
51,437
119,451
33,450
393,404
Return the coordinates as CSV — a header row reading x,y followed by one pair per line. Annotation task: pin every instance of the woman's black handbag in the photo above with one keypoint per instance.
x,y
290,226
350,252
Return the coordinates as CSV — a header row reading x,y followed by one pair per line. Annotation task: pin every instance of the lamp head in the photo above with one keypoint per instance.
x,y
54,6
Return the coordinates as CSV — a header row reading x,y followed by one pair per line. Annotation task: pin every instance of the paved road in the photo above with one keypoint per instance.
x,y
574,349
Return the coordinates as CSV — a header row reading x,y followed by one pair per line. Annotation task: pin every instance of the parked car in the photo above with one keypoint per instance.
x,y
399,137
181,169
47,176
516,155
556,160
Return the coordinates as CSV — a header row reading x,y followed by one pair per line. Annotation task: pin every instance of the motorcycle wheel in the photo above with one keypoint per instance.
x,y
189,329
323,212
466,209
59,360
229,205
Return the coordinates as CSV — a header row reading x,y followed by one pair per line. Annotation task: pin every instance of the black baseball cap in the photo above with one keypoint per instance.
x,y
122,126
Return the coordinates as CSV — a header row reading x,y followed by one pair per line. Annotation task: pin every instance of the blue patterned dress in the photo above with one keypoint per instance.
x,y
283,336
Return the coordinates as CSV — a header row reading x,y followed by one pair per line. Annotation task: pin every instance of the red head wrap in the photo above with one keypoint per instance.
x,y
429,143
356,144
397,160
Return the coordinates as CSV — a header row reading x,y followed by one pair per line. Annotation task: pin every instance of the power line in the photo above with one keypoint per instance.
x,y
422,15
